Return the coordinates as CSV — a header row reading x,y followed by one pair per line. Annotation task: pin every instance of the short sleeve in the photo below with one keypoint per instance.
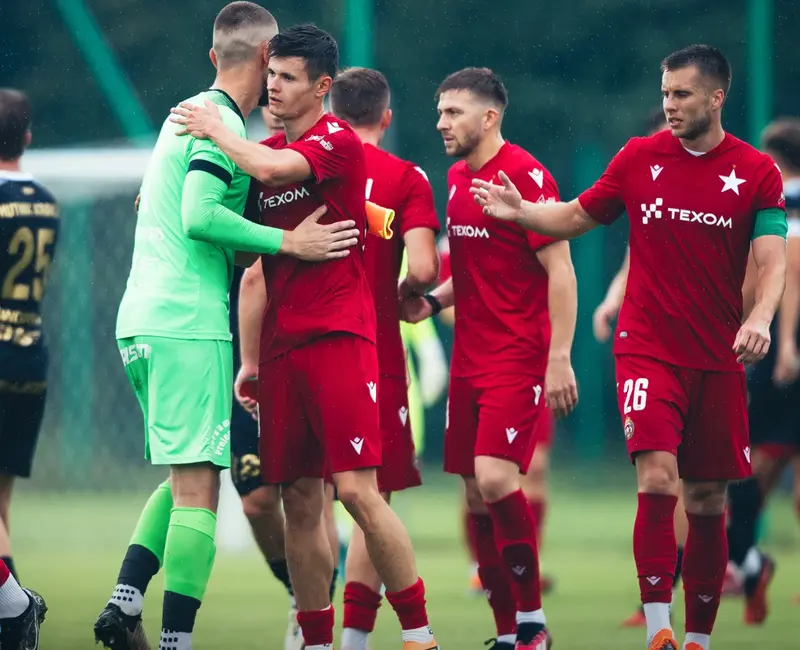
x,y
537,185
206,156
417,209
770,189
329,155
603,201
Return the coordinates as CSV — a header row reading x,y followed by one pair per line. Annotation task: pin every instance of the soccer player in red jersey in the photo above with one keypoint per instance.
x,y
318,369
508,288
360,97
696,198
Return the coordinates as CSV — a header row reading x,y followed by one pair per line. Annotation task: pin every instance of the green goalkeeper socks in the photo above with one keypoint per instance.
x,y
188,560
151,530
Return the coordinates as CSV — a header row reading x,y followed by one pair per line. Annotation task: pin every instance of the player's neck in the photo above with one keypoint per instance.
x,y
10,165
240,89
297,126
485,151
369,134
706,142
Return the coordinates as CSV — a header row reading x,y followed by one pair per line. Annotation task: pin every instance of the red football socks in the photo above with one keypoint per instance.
x,y
360,607
705,559
654,547
494,575
317,626
515,532
409,605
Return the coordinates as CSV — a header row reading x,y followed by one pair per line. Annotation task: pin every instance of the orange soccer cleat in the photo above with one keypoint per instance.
x,y
663,640
692,646
414,645
756,609
637,619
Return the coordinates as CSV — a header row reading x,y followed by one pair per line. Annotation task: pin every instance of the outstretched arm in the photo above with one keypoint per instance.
x,y
556,220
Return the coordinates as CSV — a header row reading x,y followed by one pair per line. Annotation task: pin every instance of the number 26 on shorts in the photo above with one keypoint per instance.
x,y
635,394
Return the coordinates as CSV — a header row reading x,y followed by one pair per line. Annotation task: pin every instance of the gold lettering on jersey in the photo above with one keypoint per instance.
x,y
16,317
24,209
19,336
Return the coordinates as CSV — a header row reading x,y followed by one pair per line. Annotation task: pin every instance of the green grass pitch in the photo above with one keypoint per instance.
x,y
69,547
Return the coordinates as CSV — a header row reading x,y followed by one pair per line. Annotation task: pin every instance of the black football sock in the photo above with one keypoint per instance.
x,y
745,501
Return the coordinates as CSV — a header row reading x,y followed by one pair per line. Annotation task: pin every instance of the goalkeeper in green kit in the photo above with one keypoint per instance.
x,y
173,333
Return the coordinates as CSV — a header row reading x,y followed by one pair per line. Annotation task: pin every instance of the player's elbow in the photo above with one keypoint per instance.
x,y
252,278
193,223
424,271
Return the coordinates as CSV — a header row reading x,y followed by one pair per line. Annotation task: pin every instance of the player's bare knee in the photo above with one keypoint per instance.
x,y
303,503
657,473
475,503
263,503
358,492
495,484
195,486
706,498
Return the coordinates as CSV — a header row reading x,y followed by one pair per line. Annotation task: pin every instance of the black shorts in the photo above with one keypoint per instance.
x,y
773,411
245,462
21,412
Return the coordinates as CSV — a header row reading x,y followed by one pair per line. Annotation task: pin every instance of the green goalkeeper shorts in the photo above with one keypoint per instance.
x,y
185,389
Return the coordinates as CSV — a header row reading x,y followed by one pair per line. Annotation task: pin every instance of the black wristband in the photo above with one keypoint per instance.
x,y
433,301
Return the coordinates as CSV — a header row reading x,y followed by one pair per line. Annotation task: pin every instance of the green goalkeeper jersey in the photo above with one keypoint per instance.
x,y
179,287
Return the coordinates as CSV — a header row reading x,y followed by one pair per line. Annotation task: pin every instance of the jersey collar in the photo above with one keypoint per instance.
x,y
8,175
234,105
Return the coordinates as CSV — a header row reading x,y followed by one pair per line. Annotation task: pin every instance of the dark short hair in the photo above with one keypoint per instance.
x,y
360,96
656,120
15,120
782,137
709,61
481,81
311,43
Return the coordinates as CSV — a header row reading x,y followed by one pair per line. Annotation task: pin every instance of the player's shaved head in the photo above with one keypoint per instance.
x,y
781,139
15,120
360,96
712,65
239,29
481,82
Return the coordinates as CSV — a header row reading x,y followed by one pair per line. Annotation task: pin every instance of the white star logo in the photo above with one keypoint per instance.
x,y
731,182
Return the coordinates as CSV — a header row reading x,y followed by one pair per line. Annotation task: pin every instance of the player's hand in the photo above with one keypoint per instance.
x,y
245,389
404,290
199,121
136,203
603,316
415,309
498,201
314,242
752,341
560,387
787,365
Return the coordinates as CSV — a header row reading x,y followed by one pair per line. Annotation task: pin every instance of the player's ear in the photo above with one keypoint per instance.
x,y
323,85
28,138
718,98
491,117
213,56
386,119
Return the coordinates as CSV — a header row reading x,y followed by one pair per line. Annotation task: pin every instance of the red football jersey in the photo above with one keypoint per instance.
x,y
502,323
401,186
691,219
308,300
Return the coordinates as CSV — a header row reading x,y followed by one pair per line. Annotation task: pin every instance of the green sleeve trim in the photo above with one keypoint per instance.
x,y
206,219
770,222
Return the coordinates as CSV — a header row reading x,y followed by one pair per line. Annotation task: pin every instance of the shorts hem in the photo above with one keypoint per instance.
x,y
190,460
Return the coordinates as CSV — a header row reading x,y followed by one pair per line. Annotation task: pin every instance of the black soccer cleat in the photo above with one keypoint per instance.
x,y
22,632
494,644
119,631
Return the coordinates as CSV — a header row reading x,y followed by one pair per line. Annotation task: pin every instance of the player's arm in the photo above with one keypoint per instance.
x,y
608,309
419,226
787,364
561,391
602,204
252,303
273,167
769,254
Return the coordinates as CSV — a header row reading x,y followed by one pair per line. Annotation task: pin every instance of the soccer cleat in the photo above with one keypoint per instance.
x,y
637,619
542,641
733,584
475,586
546,584
756,609
22,632
119,631
663,640
498,645
294,635
692,646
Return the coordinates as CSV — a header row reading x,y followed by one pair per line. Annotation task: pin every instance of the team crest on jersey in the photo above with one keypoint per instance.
x,y
628,428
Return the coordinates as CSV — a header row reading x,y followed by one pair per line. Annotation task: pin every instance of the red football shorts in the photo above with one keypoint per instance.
x,y
399,470
545,425
318,405
700,416
492,416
